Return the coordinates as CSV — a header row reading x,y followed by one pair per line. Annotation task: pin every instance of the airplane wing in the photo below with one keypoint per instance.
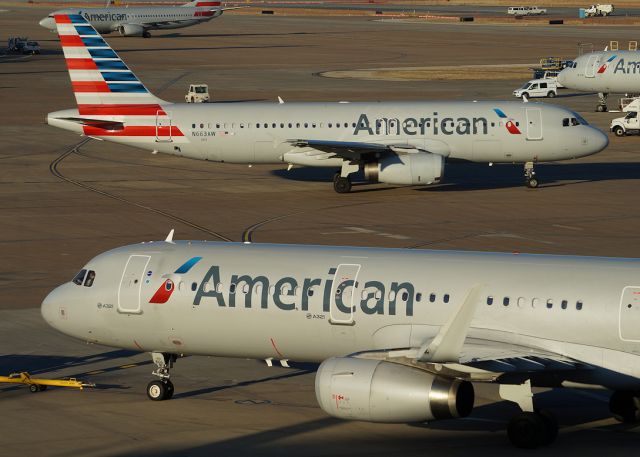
x,y
453,354
353,150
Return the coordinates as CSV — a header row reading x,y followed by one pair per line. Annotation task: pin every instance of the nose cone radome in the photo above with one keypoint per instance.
x,y
48,23
598,141
53,307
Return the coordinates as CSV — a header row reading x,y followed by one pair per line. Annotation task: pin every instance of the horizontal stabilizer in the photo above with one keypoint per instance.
x,y
97,123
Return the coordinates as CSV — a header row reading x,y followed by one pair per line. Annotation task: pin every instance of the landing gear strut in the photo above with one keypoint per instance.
x,y
602,103
625,406
529,429
341,181
161,389
530,176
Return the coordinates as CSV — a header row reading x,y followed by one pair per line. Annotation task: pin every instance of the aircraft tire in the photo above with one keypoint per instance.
x,y
532,183
601,108
341,185
551,426
157,390
146,34
622,405
170,390
527,430
618,131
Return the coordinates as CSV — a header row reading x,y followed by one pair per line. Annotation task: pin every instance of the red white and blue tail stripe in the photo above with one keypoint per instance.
x,y
101,81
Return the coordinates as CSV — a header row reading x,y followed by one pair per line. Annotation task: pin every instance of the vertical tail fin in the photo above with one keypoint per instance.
x,y
102,83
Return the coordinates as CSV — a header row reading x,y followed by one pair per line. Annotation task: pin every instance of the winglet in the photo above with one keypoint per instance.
x,y
169,238
447,344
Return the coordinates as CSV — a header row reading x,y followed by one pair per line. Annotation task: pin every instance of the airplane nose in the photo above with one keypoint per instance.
x,y
562,77
47,23
599,140
52,308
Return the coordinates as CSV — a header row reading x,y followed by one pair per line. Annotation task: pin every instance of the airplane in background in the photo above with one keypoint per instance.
x,y
138,21
605,72
403,143
402,334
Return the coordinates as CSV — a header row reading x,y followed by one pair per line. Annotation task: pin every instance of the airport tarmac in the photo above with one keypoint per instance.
x,y
65,199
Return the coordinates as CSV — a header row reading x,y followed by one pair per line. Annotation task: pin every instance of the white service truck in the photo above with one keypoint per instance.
x,y
629,124
198,93
537,88
526,10
599,10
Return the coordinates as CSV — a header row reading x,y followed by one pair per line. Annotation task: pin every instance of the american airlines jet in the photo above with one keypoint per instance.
x,y
605,72
138,21
402,334
405,143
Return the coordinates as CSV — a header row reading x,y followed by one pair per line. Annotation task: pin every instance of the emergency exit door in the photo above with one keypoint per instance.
x,y
630,313
129,298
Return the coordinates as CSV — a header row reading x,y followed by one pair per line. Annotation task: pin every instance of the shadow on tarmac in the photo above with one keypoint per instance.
x,y
483,432
471,176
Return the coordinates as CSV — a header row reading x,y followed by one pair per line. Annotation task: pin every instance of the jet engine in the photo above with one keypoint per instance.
x,y
417,168
378,391
130,30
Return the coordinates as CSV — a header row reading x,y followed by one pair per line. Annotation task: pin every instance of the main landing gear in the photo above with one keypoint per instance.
x,y
161,389
602,103
146,34
625,406
530,428
341,180
530,176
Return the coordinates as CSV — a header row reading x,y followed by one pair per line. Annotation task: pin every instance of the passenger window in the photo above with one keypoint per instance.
x,y
564,304
505,301
432,298
418,296
550,303
579,305
405,296
489,300
445,298
90,278
194,286
232,288
79,278
310,292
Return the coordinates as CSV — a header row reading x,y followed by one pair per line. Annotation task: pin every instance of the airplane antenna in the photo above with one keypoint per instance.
x,y
280,100
169,238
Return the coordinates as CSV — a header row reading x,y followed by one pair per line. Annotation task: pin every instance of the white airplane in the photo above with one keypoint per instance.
x,y
605,72
138,21
402,334
403,143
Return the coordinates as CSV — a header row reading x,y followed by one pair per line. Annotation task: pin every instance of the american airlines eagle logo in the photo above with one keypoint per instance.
x,y
604,66
509,124
164,292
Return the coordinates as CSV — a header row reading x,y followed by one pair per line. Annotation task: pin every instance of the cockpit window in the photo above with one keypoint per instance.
x,y
581,120
91,276
79,278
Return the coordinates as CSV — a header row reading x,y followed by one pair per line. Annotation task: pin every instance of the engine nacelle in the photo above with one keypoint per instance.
x,y
378,391
413,169
130,30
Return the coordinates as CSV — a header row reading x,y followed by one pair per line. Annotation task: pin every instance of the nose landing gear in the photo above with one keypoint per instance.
x,y
161,389
530,176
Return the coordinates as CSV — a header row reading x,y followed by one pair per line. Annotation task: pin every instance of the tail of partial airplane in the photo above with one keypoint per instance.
x,y
102,83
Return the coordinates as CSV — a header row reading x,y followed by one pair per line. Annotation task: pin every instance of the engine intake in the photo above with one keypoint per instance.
x,y
130,30
421,168
378,391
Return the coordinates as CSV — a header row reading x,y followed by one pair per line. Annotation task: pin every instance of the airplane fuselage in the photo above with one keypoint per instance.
x,y
509,132
309,303
605,72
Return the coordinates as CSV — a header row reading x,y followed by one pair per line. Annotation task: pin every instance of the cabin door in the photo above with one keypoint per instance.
x,y
592,63
344,294
131,284
163,127
630,314
534,124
